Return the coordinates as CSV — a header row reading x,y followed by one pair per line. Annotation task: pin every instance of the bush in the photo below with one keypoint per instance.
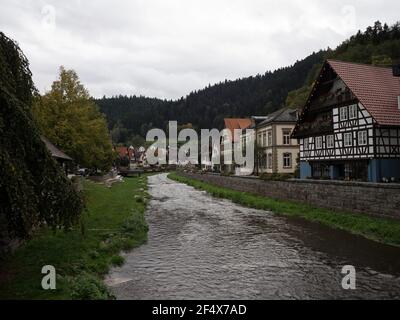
x,y
139,200
127,244
117,260
88,287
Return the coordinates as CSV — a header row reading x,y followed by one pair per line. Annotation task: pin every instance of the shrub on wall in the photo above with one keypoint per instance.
x,y
276,176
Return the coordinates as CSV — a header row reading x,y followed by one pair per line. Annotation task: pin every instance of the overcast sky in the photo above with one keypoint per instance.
x,y
167,48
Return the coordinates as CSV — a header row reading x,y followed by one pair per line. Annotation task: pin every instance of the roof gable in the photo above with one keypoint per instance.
x,y
237,123
375,87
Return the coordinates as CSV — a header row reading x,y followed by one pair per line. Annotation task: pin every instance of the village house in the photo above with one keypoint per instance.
x,y
276,151
349,128
63,159
232,124
126,156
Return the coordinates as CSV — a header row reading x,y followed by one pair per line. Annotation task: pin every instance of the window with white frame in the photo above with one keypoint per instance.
x,y
259,140
318,142
269,160
362,138
343,114
286,137
269,138
330,142
348,139
264,137
353,111
306,144
287,160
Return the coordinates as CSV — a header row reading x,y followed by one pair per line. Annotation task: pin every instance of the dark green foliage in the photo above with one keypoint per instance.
x,y
375,41
117,260
122,161
298,98
89,287
113,221
33,188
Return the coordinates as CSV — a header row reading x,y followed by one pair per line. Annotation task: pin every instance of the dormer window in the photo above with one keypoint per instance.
x,y
353,111
343,114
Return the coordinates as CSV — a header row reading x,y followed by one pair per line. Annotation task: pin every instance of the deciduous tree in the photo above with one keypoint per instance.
x,y
70,119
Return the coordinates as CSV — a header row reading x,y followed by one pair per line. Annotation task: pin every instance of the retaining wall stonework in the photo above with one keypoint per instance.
x,y
371,198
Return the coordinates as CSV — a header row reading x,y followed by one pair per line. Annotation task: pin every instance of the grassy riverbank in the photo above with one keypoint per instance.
x,y
114,221
379,229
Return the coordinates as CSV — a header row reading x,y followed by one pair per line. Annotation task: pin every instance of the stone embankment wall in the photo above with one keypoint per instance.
x,y
372,198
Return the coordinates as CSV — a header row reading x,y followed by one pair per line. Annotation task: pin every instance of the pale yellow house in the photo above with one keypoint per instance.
x,y
276,152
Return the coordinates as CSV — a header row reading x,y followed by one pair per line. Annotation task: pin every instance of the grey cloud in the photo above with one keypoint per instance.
x,y
167,48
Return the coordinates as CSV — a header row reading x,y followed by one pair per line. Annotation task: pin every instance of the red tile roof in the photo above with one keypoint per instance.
x,y
375,87
236,123
124,151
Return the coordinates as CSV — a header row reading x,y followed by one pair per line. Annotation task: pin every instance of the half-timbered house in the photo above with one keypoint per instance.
x,y
349,128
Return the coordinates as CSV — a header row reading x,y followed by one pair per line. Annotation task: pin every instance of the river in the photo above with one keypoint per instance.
x,y
201,247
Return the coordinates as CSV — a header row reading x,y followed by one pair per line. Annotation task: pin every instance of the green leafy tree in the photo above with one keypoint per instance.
x,y
70,119
137,141
382,60
296,99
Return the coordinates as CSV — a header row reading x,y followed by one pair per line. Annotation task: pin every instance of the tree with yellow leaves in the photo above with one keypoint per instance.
x,y
70,119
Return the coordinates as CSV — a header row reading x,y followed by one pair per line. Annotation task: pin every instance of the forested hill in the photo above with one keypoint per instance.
x,y
130,117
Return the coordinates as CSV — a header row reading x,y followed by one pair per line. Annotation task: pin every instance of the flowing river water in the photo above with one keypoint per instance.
x,y
200,247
